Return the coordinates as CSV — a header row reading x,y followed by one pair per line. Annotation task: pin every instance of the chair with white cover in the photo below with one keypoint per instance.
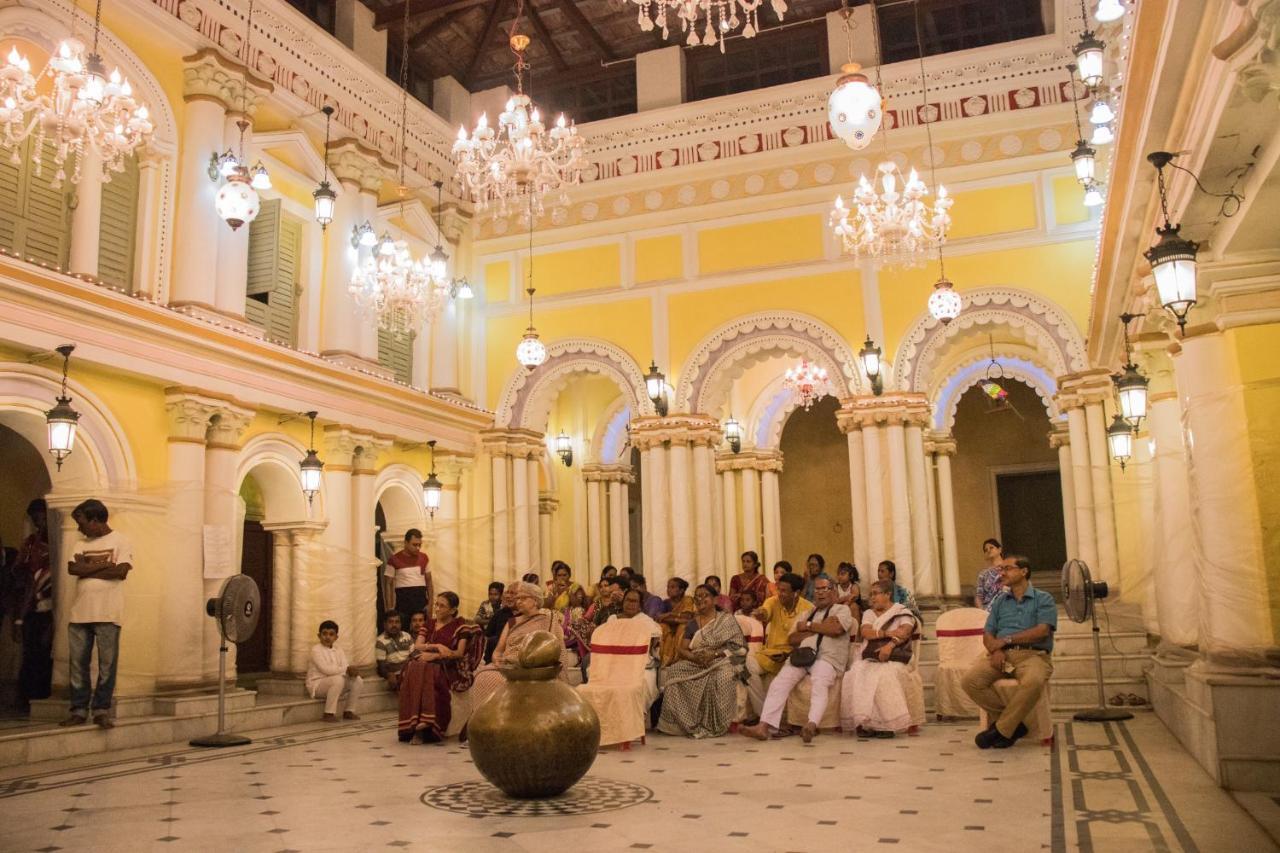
x,y
617,688
753,632
1039,724
797,708
460,705
959,646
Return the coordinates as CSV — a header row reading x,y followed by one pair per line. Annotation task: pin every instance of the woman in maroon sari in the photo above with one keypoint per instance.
x,y
749,579
445,655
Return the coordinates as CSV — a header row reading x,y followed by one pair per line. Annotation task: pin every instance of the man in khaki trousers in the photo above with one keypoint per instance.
x,y
1018,635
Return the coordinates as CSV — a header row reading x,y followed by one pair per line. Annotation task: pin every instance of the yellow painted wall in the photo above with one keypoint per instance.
x,y
835,298
497,282
1068,201
994,210
574,270
659,258
760,244
1256,348
625,323
1059,272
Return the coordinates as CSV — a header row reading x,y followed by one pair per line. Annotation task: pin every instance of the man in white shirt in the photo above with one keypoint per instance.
x,y
824,631
100,561
331,677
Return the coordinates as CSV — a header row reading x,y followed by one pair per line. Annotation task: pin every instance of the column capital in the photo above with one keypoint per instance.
x,y
369,448
941,443
450,468
517,443
353,163
189,413
1076,390
454,222
754,460
227,426
889,409
1059,436
675,429
340,445
594,472
548,503
211,76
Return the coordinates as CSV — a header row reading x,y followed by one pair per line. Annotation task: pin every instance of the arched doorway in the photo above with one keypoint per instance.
x,y
814,486
23,477
257,562
398,509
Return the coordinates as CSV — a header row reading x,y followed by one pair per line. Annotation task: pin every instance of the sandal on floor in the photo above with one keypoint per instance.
x,y
1117,699
1133,700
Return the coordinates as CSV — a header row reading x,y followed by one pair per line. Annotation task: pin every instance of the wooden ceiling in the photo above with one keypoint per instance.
x,y
468,39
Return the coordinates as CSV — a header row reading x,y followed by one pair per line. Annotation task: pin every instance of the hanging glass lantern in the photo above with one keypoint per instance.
x,y
531,352
1131,388
1093,194
733,434
1173,262
854,108
1108,11
432,488
1082,158
1120,438
311,467
869,355
564,448
237,202
1101,111
1102,135
324,195
944,303
1089,59
61,420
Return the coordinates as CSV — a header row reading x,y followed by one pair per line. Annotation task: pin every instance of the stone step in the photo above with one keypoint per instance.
x,y
1125,643
51,743
162,705
1075,694
1077,666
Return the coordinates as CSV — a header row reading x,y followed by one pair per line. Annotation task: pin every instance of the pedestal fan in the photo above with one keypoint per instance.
x,y
1079,592
236,612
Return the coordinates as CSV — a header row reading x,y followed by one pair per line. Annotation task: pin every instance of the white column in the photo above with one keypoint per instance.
x,y
646,509
221,512
1082,484
444,349
337,561
858,500
626,526
230,282
535,528
771,509
1060,440
1103,505
502,569
926,573
704,523
447,563
86,217
367,327
680,457
281,598
1233,595
195,264
364,580
729,528
544,537
182,653
146,246
617,523
520,513
657,568
1177,578
308,609
871,445
899,509
947,513
595,526
751,538
340,321
931,493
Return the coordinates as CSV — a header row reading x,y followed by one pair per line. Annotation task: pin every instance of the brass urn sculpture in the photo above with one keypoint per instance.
x,y
535,737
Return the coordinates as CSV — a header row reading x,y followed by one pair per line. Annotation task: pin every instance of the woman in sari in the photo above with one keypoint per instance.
x,y
561,586
750,578
445,655
874,694
700,690
677,610
529,618
577,628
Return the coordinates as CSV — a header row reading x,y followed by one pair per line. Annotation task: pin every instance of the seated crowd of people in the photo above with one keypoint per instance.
x,y
800,654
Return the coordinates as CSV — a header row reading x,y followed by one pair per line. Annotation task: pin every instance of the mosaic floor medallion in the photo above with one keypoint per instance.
x,y
591,795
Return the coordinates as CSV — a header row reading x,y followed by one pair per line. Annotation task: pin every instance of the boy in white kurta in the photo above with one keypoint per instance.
x,y
331,677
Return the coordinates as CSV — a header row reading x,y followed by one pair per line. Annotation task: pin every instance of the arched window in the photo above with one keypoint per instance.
x,y
275,261
35,217
117,234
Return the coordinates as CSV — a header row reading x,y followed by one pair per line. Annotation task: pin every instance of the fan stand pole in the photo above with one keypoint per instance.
x,y
221,738
1102,713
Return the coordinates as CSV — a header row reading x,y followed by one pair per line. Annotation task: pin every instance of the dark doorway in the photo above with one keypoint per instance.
x,y
254,654
635,516
1030,506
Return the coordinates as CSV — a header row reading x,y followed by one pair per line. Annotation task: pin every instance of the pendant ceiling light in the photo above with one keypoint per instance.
x,y
854,108
438,260
706,21
1108,10
311,467
432,488
1131,385
80,108
237,201
888,219
531,352
1120,439
324,196
808,382
61,420
1172,258
1083,157
522,157
389,282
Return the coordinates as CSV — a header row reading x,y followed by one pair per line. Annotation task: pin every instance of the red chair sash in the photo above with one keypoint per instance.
x,y
597,649
961,632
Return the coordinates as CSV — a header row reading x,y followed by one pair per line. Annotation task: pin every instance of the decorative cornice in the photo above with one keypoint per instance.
x,y
527,397
227,425
516,442
594,472
1088,387
189,414
1059,437
210,75
754,460
365,460
890,409
354,163
694,430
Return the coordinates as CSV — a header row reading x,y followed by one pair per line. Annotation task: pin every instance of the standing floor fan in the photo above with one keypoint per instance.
x,y
236,612
1079,592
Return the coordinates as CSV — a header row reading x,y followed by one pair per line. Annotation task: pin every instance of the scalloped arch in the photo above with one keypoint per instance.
x,y
728,351
272,459
965,376
526,399
1034,316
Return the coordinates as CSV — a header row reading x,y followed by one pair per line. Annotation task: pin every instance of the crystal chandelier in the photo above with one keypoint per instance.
x,y
808,382
718,18
892,223
402,292
521,157
237,201
854,109
82,107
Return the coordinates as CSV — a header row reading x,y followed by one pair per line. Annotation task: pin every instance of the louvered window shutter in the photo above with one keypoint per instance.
x,y
395,351
35,218
118,228
275,251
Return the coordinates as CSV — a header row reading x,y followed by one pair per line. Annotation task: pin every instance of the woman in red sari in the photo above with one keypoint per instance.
x,y
749,579
445,655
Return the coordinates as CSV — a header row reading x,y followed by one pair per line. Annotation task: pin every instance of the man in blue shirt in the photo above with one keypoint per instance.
x,y
1018,635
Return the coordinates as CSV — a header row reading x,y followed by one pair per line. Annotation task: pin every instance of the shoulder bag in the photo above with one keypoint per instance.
x,y
804,657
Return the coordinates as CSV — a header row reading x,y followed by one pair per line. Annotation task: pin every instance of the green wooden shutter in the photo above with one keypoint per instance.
x,y
118,230
35,220
395,351
275,255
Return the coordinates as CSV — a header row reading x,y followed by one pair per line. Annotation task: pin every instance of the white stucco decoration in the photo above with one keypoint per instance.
x,y
527,397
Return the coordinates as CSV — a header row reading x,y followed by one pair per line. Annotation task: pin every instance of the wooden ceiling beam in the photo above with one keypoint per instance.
x,y
582,74
544,34
583,26
434,27
490,26
391,14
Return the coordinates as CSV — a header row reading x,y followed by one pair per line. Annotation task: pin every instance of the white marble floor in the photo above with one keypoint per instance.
x,y
354,787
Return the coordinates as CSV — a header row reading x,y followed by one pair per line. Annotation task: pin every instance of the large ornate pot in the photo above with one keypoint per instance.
x,y
535,737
